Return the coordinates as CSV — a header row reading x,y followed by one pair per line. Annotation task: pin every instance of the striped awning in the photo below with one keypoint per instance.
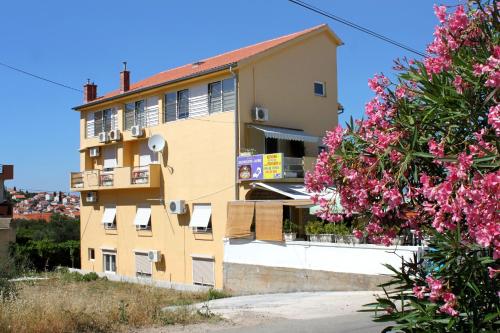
x,y
285,133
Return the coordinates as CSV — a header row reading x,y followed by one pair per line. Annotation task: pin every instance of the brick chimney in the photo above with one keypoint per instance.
x,y
124,78
89,92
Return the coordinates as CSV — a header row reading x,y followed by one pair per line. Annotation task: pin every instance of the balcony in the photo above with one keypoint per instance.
x,y
118,178
296,167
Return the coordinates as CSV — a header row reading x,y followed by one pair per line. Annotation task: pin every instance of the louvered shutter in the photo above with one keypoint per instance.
x,y
203,271
142,264
90,125
228,95
152,116
198,101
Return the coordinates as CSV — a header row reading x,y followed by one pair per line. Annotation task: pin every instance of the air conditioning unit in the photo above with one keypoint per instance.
x,y
137,131
260,114
115,135
94,152
154,255
177,206
91,197
103,137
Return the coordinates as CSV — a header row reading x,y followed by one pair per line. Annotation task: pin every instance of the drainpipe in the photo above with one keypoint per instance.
x,y
236,134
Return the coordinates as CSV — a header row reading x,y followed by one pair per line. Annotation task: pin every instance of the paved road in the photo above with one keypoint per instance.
x,y
354,323
333,312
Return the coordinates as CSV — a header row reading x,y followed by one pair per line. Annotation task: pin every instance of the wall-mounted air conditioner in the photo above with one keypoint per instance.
x,y
260,114
103,137
94,152
177,206
115,135
91,197
154,255
137,131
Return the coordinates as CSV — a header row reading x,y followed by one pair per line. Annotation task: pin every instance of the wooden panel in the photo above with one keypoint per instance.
x,y
239,219
269,221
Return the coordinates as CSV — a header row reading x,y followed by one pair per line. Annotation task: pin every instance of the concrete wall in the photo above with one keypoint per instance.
x,y
306,266
7,235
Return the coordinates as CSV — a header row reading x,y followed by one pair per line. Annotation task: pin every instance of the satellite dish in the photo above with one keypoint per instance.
x,y
156,143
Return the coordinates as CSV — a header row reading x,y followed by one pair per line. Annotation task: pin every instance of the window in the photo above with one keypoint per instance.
x,y
143,267
170,106
135,114
222,95
109,217
142,219
201,220
109,261
102,121
215,97
319,89
203,271
183,104
91,254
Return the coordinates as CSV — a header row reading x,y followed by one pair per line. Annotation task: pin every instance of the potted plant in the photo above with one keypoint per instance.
x,y
313,230
329,232
247,151
289,230
341,233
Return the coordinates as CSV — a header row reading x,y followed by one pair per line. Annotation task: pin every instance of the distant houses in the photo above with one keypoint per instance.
x,y
41,205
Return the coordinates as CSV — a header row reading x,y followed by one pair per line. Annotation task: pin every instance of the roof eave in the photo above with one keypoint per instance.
x,y
166,83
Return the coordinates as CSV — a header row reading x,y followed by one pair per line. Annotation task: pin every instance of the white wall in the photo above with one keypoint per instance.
x,y
344,258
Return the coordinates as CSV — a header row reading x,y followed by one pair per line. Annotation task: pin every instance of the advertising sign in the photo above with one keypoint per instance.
x,y
258,167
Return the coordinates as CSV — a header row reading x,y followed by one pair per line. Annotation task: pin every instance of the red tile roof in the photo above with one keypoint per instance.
x,y
209,63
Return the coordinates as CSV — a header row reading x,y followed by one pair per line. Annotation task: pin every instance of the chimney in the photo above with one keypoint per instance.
x,y
124,78
89,92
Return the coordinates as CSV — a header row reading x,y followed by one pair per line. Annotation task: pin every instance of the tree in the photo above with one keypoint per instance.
x,y
426,160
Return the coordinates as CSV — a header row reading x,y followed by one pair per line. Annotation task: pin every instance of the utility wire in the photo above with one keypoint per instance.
x,y
356,26
39,77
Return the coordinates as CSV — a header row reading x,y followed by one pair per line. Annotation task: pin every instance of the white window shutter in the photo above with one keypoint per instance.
x,y
110,160
142,264
152,111
203,271
198,100
90,125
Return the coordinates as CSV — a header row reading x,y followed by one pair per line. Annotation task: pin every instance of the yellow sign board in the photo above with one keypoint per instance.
x,y
272,165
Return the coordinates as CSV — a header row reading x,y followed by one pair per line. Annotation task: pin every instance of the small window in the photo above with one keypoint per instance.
x,y
183,104
170,107
109,217
201,220
319,89
109,261
142,219
91,254
143,267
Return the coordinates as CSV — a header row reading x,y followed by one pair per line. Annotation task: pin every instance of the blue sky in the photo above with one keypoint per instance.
x,y
70,41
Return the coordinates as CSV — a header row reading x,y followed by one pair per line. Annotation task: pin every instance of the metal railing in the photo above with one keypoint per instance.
x,y
106,179
293,167
77,180
140,175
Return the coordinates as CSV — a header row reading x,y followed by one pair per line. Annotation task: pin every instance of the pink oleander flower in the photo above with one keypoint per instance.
x,y
420,291
357,233
457,82
436,288
333,139
440,12
494,118
448,308
436,149
492,272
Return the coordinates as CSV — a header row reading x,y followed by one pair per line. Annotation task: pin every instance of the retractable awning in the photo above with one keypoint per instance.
x,y
201,216
109,214
142,216
285,133
293,191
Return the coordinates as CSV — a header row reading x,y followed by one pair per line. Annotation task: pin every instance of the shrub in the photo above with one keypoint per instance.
x,y
426,160
314,227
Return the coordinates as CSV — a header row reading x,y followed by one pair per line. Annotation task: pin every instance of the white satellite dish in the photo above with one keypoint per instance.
x,y
156,143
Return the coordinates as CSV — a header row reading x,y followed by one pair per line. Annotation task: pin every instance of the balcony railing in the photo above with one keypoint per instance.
x,y
118,178
296,167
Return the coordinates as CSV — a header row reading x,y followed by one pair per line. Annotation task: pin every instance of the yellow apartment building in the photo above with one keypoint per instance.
x,y
160,213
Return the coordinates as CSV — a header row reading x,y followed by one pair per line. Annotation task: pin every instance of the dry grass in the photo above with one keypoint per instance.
x,y
58,305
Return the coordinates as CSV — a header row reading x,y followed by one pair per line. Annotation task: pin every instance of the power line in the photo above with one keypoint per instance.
x,y
39,77
356,26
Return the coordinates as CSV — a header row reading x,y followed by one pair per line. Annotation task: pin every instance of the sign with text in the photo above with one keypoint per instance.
x,y
258,167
